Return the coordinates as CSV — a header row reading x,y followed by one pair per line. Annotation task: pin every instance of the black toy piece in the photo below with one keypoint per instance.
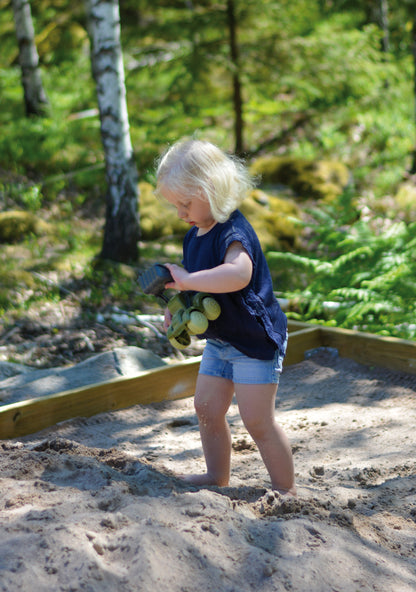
x,y
153,280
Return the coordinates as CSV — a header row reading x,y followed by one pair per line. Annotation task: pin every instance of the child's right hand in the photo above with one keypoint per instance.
x,y
180,276
168,319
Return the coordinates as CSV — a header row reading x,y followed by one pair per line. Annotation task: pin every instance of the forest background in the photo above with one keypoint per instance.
x,y
318,96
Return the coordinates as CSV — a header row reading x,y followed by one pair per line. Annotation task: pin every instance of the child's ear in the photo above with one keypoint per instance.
x,y
200,194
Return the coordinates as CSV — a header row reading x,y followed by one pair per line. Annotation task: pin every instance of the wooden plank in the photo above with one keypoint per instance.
x,y
300,341
178,381
372,350
297,325
166,383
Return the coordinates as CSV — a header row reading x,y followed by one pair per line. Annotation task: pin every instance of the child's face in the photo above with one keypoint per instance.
x,y
193,210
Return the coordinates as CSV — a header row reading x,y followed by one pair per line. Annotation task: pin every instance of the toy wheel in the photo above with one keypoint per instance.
x,y
197,323
211,307
181,341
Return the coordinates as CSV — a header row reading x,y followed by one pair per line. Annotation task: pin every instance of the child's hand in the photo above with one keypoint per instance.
x,y
168,319
180,275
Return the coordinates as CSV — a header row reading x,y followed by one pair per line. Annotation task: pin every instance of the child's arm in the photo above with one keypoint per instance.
x,y
232,275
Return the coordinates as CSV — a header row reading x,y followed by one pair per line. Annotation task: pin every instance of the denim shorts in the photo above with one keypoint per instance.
x,y
225,361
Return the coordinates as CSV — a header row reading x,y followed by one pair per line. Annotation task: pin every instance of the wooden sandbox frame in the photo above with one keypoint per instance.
x,y
177,381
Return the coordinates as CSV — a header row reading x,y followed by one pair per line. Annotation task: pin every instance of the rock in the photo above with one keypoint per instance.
x,y
124,361
8,369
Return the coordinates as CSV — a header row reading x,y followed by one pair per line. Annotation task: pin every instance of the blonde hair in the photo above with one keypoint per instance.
x,y
198,168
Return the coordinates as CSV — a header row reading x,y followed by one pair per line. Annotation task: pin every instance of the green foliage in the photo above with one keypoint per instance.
x,y
26,195
316,87
32,198
48,145
369,285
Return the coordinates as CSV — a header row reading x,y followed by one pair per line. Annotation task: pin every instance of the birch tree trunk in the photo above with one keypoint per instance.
x,y
121,232
35,98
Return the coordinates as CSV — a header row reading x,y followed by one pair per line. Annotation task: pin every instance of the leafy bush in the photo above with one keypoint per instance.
x,y
369,285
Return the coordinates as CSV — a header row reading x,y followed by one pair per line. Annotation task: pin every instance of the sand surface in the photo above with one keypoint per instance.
x,y
94,505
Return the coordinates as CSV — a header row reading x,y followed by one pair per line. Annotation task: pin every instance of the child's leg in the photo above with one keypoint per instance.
x,y
213,397
256,403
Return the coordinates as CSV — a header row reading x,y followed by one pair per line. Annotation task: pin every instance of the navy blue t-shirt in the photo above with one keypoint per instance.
x,y
251,319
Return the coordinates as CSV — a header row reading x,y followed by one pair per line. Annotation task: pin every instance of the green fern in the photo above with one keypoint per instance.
x,y
370,277
351,295
307,264
398,279
364,312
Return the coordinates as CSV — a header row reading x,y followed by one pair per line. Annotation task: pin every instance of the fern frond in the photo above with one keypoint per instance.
x,y
391,260
395,232
359,312
353,295
391,280
278,260
361,254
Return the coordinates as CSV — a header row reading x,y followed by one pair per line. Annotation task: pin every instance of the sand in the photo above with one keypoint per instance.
x,y
94,505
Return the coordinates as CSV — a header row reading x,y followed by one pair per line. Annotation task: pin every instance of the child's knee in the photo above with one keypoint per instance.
x,y
208,411
257,428
202,408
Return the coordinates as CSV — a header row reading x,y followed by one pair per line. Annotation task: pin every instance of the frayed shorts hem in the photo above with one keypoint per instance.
x,y
225,361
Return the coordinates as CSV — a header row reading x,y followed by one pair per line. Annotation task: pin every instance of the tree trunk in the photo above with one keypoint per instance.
x,y
121,232
36,102
384,21
413,166
235,64
377,11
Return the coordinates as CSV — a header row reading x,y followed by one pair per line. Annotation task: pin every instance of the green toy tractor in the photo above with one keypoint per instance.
x,y
191,312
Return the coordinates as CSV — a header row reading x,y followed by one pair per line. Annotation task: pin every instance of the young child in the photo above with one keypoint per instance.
x,y
247,343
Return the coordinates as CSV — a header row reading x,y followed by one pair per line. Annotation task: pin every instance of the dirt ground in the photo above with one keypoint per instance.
x,y
94,504
59,335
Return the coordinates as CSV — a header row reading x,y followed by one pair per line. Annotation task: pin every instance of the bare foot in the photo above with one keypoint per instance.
x,y
287,492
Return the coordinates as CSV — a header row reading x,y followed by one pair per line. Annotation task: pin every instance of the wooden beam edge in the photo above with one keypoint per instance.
x,y
169,382
177,380
368,349
301,341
